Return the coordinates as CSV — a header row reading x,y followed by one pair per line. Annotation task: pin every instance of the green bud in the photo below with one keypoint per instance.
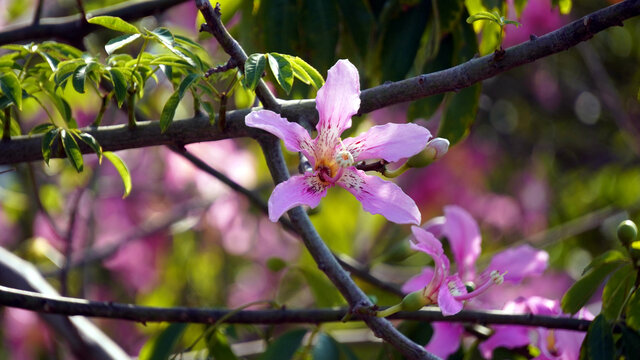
x,y
634,251
414,301
627,232
276,264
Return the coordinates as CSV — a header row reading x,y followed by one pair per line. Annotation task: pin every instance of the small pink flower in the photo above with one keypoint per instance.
x,y
463,234
333,159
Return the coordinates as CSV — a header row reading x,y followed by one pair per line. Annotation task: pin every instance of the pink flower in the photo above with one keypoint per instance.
x,y
553,344
333,159
463,234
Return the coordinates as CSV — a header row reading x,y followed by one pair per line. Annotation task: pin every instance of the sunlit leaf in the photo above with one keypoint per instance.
x,y
72,150
608,257
120,41
582,290
79,77
282,70
114,23
10,86
122,169
41,129
169,109
316,79
616,291
253,69
633,311
47,141
119,85
93,144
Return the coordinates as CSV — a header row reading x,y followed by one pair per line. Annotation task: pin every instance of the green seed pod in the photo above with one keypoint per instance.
x,y
627,232
414,301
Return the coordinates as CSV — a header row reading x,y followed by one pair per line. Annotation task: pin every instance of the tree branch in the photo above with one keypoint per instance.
x,y
111,310
198,129
85,340
355,269
70,28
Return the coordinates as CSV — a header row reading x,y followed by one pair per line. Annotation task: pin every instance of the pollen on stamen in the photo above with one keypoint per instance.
x,y
344,159
496,277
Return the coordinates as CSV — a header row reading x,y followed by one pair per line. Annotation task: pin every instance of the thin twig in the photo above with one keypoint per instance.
x,y
106,309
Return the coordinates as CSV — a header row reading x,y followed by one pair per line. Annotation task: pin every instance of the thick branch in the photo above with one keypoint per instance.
x,y
106,309
113,138
74,27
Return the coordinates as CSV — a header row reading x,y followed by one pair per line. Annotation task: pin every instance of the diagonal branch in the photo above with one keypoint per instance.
x,y
106,309
198,129
355,269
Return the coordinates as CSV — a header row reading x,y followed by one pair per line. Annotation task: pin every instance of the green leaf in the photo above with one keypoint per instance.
x,y
47,141
93,144
582,290
609,257
253,69
450,12
633,311
282,70
183,40
169,109
41,129
166,38
186,83
65,70
72,150
316,79
600,344
53,62
161,347
401,39
284,347
120,41
114,23
279,22
426,107
318,22
326,348
360,23
119,82
459,114
10,86
79,77
219,347
65,50
484,15
616,291
324,293
122,169
630,342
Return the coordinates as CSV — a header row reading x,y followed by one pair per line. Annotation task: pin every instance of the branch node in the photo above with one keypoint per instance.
x,y
230,64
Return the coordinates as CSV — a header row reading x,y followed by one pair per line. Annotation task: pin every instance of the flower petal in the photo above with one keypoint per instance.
x,y
390,142
464,236
295,137
445,339
426,242
419,281
520,262
380,197
339,98
447,303
298,190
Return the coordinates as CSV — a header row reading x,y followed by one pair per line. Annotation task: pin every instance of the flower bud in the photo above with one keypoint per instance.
x,y
414,301
627,232
436,148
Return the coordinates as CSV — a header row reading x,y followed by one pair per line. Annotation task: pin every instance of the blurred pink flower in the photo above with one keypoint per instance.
x,y
538,18
333,160
25,335
554,344
463,234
